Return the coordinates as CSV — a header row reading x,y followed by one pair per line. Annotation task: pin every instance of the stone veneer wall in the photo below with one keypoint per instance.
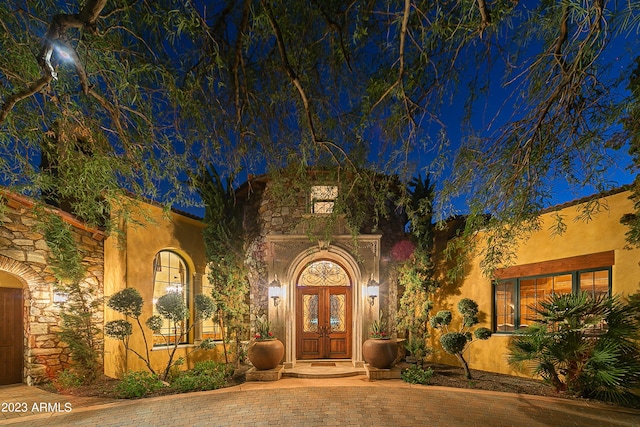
x,y
266,215
24,254
263,216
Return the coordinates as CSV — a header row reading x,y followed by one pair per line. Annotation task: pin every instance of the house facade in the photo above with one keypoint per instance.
x,y
588,256
319,285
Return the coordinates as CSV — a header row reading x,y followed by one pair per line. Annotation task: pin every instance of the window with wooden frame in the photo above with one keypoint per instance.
x,y
519,289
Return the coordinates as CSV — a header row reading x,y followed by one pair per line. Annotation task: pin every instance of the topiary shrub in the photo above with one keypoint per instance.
x,y
453,342
456,342
170,306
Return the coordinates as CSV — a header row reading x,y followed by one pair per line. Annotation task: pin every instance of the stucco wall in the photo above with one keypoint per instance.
x,y
130,264
603,233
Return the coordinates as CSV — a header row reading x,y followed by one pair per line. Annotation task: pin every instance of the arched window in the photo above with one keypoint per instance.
x,y
171,275
324,273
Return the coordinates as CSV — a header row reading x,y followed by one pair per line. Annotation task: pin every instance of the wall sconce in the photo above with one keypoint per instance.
x,y
60,297
373,290
275,291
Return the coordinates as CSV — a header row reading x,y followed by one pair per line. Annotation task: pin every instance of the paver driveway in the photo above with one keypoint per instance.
x,y
335,402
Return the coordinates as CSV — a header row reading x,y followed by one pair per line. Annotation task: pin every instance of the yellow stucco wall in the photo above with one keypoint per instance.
x,y
129,263
603,233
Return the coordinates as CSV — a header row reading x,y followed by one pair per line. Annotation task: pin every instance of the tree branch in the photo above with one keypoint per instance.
x,y
114,113
484,14
55,36
403,36
563,37
289,70
246,8
338,29
34,88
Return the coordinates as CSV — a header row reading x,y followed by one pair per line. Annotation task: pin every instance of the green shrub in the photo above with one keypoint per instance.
x,y
70,379
137,384
456,342
170,307
206,375
416,375
453,342
585,345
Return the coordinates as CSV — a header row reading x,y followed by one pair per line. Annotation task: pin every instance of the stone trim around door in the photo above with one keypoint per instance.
x,y
288,255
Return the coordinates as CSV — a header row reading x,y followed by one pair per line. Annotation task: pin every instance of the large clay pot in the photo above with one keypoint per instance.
x,y
380,353
266,354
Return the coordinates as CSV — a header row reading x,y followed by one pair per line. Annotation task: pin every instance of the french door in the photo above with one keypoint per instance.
x,y
323,318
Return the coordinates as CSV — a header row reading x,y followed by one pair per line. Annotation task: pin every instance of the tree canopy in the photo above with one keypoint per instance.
x,y
102,96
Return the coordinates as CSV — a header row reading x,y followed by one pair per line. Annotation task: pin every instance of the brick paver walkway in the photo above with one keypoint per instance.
x,y
336,402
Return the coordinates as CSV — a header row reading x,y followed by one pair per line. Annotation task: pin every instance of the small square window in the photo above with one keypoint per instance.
x,y
323,198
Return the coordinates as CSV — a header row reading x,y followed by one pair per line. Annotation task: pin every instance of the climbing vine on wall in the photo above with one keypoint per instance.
x,y
81,302
416,274
224,245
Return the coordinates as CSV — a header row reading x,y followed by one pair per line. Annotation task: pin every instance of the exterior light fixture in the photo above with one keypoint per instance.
x,y
275,291
373,290
63,52
60,297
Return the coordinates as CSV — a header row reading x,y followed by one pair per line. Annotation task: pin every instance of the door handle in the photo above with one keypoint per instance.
x,y
324,331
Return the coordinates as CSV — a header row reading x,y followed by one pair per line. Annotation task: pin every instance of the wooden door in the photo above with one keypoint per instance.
x,y
324,322
11,336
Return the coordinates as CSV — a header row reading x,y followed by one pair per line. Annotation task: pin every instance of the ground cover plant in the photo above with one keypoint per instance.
x,y
443,376
206,375
136,384
415,374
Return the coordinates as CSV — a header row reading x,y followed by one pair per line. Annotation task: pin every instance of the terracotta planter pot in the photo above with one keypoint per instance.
x,y
266,354
380,353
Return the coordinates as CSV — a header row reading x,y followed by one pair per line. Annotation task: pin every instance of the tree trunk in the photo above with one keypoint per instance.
x,y
467,372
224,336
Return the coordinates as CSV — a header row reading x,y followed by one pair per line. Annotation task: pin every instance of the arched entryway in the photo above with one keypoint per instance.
x,y
11,329
323,312
352,265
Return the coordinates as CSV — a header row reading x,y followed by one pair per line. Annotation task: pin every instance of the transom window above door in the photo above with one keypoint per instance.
x,y
324,273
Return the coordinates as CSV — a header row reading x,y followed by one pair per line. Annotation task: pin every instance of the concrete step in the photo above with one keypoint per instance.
x,y
323,369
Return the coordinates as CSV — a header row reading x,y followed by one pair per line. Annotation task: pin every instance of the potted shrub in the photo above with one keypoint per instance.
x,y
266,351
379,350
